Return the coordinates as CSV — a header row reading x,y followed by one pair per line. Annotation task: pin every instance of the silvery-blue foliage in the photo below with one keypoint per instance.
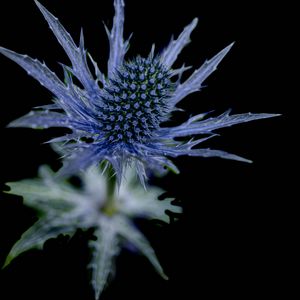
x,y
118,116
64,208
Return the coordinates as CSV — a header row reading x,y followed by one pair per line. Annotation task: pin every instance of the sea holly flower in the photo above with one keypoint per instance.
x,y
63,208
118,116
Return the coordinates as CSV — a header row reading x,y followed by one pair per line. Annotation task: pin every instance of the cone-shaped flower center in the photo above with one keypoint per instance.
x,y
135,100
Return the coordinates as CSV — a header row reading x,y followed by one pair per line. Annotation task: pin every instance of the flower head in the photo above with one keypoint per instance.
x,y
65,208
136,102
121,121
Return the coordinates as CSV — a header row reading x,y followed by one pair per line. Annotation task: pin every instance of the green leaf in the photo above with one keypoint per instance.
x,y
130,233
35,237
104,250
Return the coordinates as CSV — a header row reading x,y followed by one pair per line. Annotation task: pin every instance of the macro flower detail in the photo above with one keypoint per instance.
x,y
118,117
64,208
136,101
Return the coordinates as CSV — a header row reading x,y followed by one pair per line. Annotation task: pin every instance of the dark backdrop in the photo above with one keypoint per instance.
x,y
232,240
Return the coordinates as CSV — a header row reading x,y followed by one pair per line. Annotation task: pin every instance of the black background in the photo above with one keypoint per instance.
x,y
233,239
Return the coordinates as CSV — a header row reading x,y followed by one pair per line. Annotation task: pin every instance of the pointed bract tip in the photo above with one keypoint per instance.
x,y
43,10
249,161
5,51
81,39
227,49
265,115
10,125
38,4
274,115
219,56
195,22
240,159
7,262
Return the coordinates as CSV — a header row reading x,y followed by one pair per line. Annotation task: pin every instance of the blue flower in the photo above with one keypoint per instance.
x,y
118,117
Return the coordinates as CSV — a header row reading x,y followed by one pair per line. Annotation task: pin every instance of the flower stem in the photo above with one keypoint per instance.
x,y
109,207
